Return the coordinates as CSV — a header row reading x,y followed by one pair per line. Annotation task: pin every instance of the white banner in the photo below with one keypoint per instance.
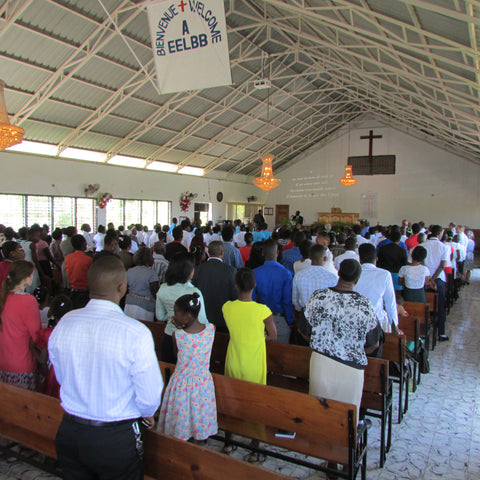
x,y
189,41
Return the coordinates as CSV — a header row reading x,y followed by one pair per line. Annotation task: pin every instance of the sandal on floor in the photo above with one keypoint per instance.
x,y
256,457
228,449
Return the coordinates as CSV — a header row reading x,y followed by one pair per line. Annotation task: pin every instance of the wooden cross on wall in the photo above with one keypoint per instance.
x,y
370,138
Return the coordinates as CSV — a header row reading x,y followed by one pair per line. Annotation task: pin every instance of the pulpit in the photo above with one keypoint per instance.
x,y
336,215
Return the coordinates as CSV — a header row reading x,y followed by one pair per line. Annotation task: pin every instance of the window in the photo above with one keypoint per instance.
x,y
39,210
85,212
163,213
115,213
12,211
18,211
149,215
63,212
133,212
377,165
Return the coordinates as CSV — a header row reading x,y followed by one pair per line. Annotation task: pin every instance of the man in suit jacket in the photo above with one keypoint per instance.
x,y
216,281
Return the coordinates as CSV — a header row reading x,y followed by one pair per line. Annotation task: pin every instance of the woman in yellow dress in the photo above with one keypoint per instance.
x,y
250,324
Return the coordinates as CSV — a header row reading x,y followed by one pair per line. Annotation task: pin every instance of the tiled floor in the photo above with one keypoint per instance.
x,y
440,434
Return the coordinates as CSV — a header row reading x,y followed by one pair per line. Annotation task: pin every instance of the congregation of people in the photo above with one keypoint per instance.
x,y
73,307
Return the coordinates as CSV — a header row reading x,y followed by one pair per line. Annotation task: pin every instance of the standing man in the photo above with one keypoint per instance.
x,y
88,237
305,283
110,246
350,252
109,379
274,289
76,266
232,255
216,281
437,257
377,285
292,255
258,219
297,218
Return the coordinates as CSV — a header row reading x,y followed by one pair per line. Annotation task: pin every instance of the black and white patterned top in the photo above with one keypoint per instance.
x,y
340,322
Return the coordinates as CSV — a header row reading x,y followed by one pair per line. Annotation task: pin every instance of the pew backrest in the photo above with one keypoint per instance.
x,y
158,330
32,419
395,348
376,376
324,428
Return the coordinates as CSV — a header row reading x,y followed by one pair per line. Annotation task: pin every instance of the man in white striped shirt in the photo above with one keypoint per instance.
x,y
109,379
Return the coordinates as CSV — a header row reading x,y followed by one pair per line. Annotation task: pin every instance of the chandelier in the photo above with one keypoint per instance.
x,y
9,134
348,179
267,181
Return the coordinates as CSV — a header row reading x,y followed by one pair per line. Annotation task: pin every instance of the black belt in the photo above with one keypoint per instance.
x,y
97,423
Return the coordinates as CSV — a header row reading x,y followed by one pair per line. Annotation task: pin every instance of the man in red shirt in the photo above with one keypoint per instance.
x,y
76,266
413,240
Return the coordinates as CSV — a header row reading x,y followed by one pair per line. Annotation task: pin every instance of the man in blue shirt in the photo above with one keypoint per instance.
x,y
292,255
232,255
274,289
173,225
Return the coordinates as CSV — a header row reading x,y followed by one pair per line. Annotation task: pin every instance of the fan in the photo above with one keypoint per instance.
x,y
91,189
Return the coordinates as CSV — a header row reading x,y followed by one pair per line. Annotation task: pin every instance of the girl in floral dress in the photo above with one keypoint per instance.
x,y
189,409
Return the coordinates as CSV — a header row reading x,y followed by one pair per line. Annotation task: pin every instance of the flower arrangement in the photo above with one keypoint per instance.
x,y
185,200
103,199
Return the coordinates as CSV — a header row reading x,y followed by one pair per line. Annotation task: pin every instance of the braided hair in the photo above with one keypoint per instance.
x,y
189,304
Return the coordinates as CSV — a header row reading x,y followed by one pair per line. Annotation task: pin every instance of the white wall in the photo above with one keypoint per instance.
x,y
22,173
430,184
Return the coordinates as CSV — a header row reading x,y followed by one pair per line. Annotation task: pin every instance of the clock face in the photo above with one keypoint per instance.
x,y
219,196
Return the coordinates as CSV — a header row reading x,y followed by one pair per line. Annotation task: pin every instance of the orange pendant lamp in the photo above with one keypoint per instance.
x,y
9,134
348,179
266,181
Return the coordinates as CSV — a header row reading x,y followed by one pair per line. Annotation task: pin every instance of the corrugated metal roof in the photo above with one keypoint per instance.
x,y
417,62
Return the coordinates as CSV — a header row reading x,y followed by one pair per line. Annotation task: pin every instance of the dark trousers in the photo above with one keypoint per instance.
x,y
98,453
168,352
441,306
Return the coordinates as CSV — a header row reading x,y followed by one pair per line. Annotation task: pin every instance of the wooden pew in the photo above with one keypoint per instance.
x,y
410,326
422,312
395,350
32,419
377,400
432,300
158,330
288,366
324,428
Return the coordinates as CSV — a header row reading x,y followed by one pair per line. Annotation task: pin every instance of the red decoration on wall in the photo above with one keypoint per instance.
x,y
103,199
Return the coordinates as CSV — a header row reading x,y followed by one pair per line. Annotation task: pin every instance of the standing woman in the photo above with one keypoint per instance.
x,y
142,286
344,331
19,324
177,283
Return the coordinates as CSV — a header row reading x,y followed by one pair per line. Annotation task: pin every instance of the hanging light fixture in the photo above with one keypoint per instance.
x,y
9,134
348,179
266,181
